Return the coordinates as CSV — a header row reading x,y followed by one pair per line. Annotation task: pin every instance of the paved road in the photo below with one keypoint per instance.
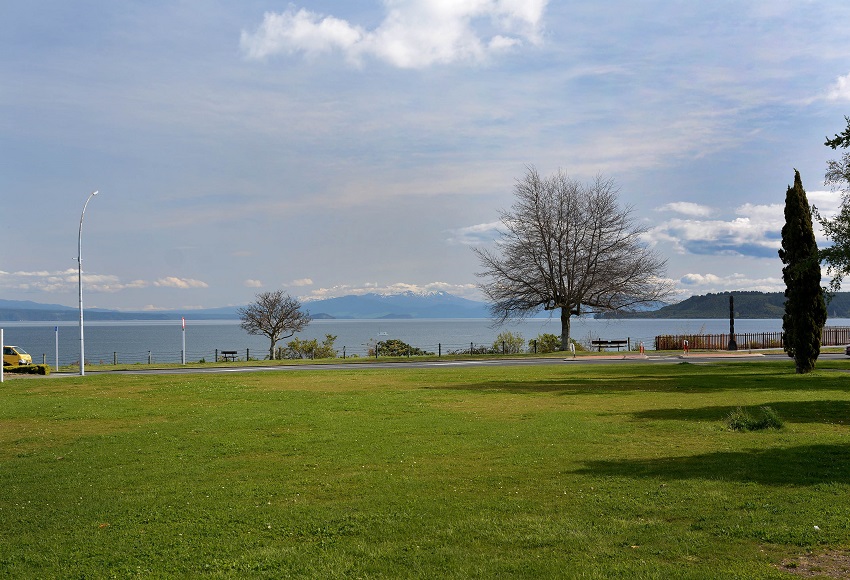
x,y
695,358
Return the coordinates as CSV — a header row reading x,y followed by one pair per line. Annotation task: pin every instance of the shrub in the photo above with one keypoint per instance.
x,y
545,343
508,343
28,369
551,343
741,420
298,348
396,347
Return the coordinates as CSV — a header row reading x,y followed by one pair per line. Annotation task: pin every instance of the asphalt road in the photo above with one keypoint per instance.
x,y
694,358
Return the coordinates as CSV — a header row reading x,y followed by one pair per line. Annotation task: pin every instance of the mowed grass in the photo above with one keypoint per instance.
x,y
559,471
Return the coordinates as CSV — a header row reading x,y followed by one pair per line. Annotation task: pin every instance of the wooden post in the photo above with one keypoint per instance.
x,y
733,345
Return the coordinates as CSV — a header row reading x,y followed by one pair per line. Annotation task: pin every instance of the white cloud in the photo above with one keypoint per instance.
x,y
301,282
840,91
413,34
477,234
688,208
463,290
302,31
756,233
182,283
252,283
694,284
827,202
65,281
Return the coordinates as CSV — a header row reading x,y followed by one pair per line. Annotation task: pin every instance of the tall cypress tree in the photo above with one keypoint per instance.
x,y
805,310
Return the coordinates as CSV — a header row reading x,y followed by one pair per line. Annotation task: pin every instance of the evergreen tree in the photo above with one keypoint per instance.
x,y
805,310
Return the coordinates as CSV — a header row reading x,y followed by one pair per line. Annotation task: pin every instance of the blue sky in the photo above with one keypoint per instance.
x,y
330,148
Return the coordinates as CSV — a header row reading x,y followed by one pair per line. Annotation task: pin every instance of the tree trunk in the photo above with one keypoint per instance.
x,y
565,328
271,351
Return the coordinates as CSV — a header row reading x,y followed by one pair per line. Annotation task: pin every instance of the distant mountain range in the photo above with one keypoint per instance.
x,y
434,305
367,306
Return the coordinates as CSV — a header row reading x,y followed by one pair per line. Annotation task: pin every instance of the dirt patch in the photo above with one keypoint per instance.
x,y
832,564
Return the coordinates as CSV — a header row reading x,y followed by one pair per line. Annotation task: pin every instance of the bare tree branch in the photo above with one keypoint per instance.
x,y
275,315
569,245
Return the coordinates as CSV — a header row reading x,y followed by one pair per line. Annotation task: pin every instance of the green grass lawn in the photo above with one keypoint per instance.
x,y
624,470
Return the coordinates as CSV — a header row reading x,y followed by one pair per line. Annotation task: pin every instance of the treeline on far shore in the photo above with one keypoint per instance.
x,y
748,304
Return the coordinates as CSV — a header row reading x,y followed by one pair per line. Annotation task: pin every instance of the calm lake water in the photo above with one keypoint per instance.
x,y
131,341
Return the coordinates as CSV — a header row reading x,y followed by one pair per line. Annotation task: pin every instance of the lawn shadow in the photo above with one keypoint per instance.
x,y
804,465
825,411
680,378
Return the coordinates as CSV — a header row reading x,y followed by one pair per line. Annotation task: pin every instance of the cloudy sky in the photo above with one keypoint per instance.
x,y
326,147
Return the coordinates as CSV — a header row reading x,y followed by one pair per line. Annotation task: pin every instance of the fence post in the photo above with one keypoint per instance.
x,y
470,349
503,348
343,353
247,354
439,349
43,359
216,355
114,357
149,357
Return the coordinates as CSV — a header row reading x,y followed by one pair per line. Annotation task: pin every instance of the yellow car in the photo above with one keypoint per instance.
x,y
15,355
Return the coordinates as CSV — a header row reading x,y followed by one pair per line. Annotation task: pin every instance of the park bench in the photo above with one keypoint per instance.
x,y
228,355
600,344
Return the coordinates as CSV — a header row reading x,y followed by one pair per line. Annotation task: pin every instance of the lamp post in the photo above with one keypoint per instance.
x,y
80,284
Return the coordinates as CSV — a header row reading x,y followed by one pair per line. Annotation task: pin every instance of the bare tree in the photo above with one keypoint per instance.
x,y
275,315
569,246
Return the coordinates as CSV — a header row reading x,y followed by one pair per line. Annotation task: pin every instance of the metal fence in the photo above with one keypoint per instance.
x,y
256,354
830,336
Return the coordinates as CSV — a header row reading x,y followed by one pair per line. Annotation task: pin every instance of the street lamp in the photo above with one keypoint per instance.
x,y
80,283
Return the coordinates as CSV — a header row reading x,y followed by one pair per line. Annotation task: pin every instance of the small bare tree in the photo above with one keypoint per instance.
x,y
275,315
568,246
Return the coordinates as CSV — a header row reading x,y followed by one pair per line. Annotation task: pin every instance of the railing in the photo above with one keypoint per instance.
x,y
830,336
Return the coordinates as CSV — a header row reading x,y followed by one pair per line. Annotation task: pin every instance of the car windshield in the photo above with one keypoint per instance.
x,y
19,350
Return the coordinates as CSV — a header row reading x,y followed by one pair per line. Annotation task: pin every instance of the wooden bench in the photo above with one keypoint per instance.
x,y
228,355
600,344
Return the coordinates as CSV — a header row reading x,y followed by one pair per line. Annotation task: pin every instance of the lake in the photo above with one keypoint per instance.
x,y
135,341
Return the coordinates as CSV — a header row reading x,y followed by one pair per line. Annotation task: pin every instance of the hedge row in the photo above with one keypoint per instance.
x,y
28,369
